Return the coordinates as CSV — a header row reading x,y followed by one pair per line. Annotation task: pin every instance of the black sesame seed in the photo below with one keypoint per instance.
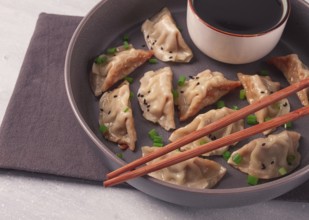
x,y
263,166
263,144
161,48
181,91
101,109
170,57
171,51
109,112
142,96
147,36
285,104
197,83
145,102
272,162
197,77
138,95
148,106
271,92
262,92
191,77
115,96
150,48
148,91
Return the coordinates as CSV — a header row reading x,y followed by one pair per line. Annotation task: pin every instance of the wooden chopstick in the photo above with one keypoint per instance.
x,y
235,116
227,140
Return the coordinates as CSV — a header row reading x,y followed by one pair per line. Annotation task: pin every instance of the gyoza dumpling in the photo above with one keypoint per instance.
x,y
257,87
109,69
205,119
194,173
156,99
202,90
263,157
294,71
163,37
116,115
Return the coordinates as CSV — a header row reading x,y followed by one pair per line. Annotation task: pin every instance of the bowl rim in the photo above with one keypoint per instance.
x,y
282,21
303,172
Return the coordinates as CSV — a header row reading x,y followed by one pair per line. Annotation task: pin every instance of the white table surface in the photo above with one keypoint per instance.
x,y
34,196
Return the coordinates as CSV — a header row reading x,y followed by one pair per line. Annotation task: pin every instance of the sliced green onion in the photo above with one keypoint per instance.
x,y
242,94
251,120
220,104
131,95
112,50
252,180
202,142
226,155
288,125
129,79
120,155
157,139
282,171
175,94
237,158
126,109
158,144
235,107
153,61
100,60
263,73
103,128
181,80
290,159
126,45
268,119
125,37
152,133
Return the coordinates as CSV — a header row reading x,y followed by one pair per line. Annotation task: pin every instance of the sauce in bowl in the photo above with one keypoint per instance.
x,y
240,16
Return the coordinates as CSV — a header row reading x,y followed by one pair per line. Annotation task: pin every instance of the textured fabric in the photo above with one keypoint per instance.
x,y
39,132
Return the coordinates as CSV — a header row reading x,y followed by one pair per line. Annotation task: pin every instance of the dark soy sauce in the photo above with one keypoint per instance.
x,y
240,16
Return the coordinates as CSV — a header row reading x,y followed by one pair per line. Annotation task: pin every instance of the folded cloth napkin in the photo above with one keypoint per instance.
x,y
39,132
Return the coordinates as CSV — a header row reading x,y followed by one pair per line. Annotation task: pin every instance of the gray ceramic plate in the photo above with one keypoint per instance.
x,y
104,27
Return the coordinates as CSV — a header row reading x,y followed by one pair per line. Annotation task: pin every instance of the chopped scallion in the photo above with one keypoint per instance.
x,y
252,180
251,120
181,80
282,171
263,73
267,119
100,60
125,37
290,159
220,104
152,133
237,158
120,155
153,61
126,45
242,94
202,142
157,139
175,94
131,95
126,109
112,50
129,79
157,144
288,125
103,128
235,107
226,155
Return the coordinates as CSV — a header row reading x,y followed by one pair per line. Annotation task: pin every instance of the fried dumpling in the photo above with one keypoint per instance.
x,y
269,157
257,87
194,173
163,37
202,90
117,118
294,71
156,99
205,119
109,69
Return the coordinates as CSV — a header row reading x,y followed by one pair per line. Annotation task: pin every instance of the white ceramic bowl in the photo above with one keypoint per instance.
x,y
230,47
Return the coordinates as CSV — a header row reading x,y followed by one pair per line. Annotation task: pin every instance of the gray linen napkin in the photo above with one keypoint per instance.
x,y
39,132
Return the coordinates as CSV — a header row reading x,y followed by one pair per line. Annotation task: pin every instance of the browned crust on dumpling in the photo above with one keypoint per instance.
x,y
294,71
